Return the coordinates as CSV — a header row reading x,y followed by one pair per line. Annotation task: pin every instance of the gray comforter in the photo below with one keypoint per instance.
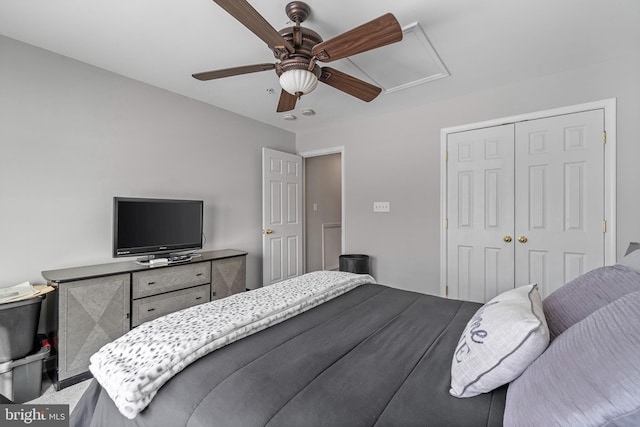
x,y
373,356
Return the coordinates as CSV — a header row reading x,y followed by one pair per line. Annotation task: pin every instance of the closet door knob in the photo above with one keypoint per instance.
x,y
522,239
507,239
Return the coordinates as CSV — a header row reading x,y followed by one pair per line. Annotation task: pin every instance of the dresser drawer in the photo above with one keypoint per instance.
x,y
149,308
154,282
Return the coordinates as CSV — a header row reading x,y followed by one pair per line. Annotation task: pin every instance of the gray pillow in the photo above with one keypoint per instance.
x,y
631,260
589,376
633,246
587,293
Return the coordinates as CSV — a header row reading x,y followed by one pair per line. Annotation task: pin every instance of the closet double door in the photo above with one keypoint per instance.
x,y
525,204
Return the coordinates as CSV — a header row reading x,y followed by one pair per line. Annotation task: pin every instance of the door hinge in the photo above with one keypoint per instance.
x,y
446,156
446,291
446,224
604,137
604,226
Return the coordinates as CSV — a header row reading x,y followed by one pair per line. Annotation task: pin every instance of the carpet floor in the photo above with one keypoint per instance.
x,y
68,396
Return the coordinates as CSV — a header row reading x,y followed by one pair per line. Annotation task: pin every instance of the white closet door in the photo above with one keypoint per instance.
x,y
559,198
480,191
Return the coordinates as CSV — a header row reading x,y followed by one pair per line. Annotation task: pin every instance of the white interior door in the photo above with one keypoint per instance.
x,y
281,216
559,198
480,192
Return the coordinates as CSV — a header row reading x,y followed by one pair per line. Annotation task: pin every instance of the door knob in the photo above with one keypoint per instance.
x,y
507,239
268,231
522,239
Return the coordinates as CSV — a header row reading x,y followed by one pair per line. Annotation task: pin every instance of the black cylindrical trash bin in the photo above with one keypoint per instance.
x,y
354,263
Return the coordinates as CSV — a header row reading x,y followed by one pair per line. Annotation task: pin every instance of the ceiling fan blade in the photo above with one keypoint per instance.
x,y
250,18
349,84
287,102
235,71
377,33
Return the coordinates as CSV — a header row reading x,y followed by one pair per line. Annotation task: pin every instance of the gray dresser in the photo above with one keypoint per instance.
x,y
97,304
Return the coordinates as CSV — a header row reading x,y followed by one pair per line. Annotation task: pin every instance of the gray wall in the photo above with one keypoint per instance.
x,y
397,158
323,183
72,136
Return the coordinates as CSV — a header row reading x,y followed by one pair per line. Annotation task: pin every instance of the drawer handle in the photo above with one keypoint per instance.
x,y
199,274
151,283
198,298
151,309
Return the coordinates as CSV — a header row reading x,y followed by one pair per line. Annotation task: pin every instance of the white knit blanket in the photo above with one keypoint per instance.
x,y
132,368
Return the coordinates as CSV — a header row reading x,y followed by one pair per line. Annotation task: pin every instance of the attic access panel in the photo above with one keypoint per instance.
x,y
399,66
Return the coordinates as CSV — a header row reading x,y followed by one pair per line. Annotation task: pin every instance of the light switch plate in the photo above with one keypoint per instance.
x,y
381,207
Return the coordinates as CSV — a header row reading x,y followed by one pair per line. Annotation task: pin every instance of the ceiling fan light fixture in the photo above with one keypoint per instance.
x,y
298,82
298,50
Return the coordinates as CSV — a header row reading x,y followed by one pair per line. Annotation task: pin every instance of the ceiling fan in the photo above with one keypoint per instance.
x,y
299,49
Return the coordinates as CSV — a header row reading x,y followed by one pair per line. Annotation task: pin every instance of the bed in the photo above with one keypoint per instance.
x,y
380,356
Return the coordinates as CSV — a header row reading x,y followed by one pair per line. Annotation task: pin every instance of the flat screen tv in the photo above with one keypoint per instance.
x,y
156,226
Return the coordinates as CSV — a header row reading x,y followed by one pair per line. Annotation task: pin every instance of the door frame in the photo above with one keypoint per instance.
x,y
609,107
315,153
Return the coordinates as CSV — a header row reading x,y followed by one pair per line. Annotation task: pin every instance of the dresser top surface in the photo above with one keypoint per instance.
x,y
98,270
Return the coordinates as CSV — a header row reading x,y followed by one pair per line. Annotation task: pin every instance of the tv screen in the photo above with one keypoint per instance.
x,y
155,226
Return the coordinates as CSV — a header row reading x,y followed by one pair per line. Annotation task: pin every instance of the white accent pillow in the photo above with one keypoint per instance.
x,y
499,342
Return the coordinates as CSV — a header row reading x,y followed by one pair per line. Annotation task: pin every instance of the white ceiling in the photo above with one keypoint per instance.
x,y
482,43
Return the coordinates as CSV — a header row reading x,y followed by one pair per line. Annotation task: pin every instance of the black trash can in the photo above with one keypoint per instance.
x,y
355,263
